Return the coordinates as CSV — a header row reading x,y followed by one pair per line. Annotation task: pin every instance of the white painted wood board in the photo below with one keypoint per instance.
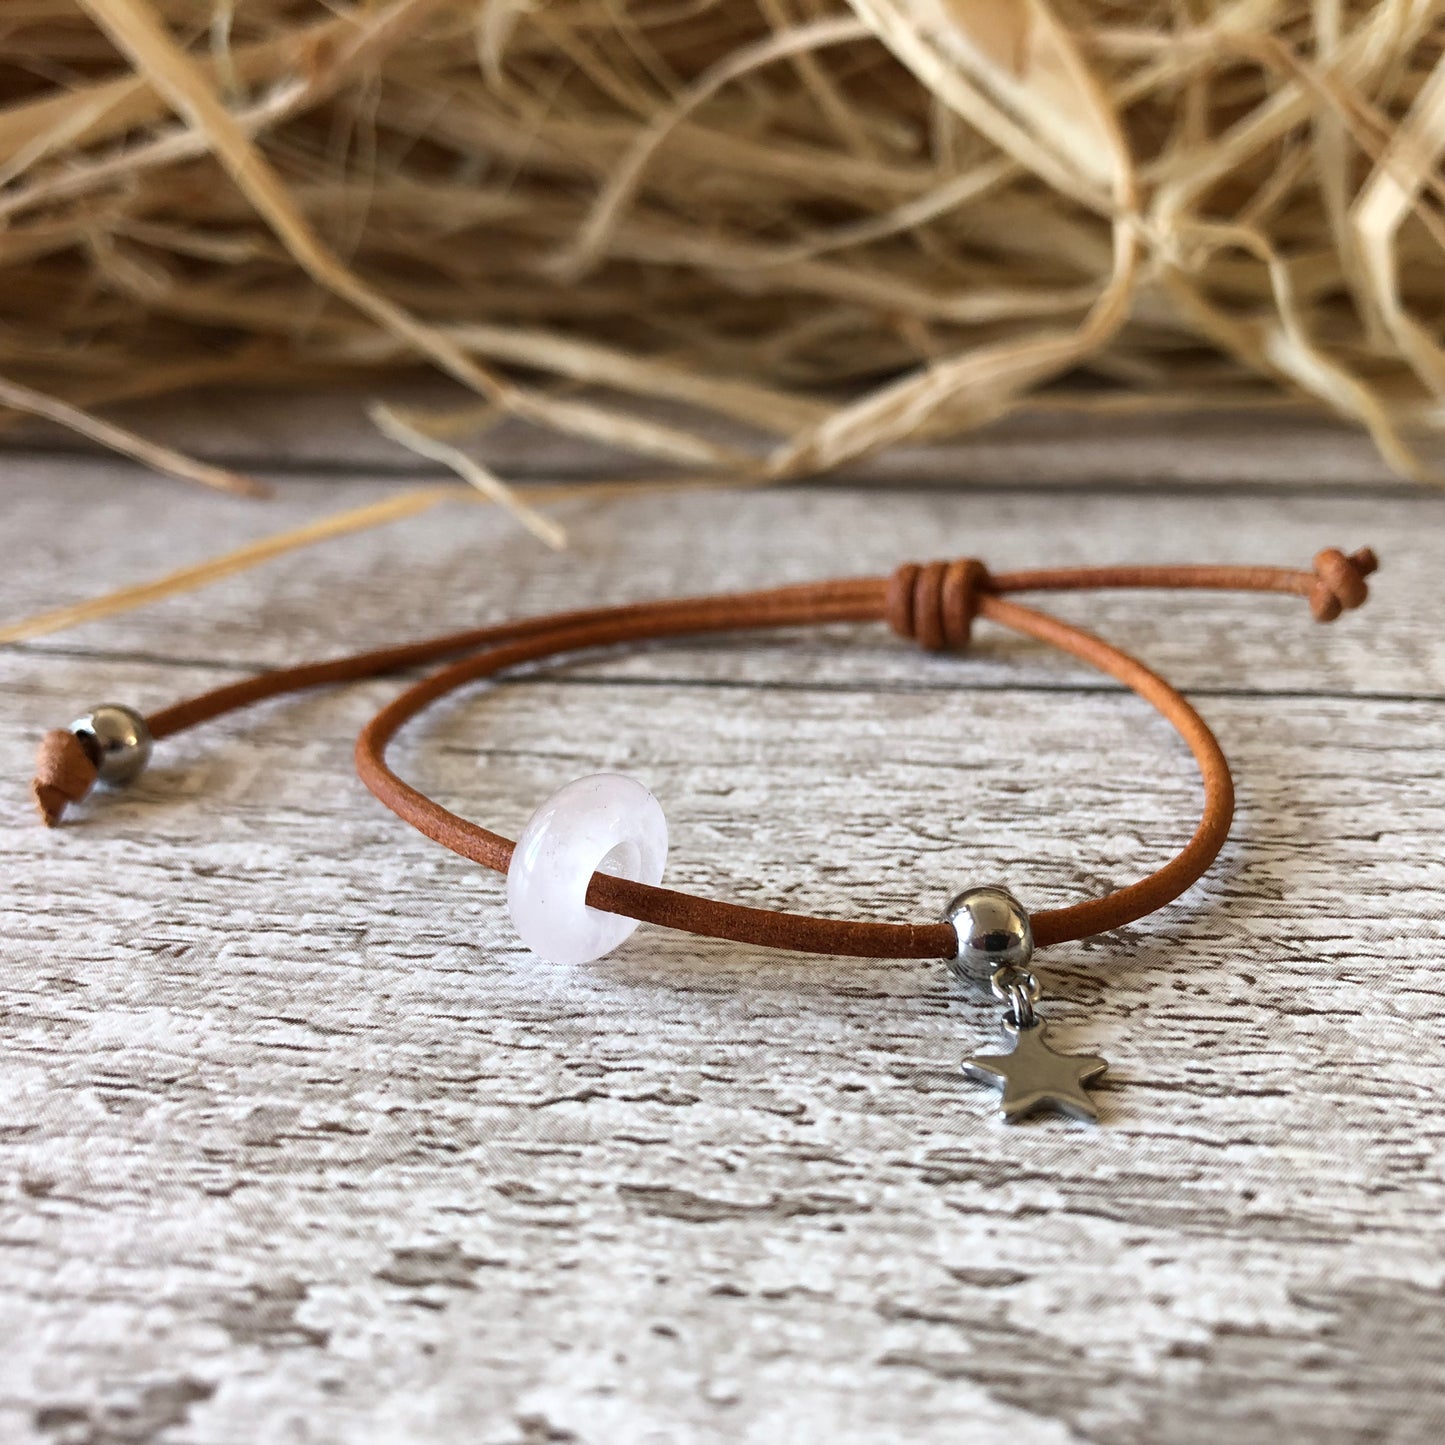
x,y
297,1144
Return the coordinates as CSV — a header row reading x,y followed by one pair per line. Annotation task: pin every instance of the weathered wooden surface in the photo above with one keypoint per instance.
x,y
330,432
298,1145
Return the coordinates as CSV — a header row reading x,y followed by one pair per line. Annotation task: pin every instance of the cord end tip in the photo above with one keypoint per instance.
x,y
50,802
64,774
1365,560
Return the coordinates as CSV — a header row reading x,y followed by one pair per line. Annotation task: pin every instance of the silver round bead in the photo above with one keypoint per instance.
x,y
117,741
993,932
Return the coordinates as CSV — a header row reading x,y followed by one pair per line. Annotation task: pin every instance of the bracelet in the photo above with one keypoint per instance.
x,y
587,867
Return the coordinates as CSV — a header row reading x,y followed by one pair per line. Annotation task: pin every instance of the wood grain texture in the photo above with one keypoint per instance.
x,y
298,1145
304,432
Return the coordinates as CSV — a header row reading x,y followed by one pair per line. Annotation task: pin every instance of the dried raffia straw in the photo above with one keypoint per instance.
x,y
35,403
408,503
820,226
389,423
400,505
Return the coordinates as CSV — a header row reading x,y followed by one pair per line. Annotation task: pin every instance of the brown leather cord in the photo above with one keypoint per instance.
x,y
936,604
911,600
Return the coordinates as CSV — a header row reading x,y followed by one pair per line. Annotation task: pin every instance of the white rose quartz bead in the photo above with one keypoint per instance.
x,y
605,823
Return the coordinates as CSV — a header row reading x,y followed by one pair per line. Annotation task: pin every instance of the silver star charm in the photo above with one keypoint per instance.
x,y
1035,1077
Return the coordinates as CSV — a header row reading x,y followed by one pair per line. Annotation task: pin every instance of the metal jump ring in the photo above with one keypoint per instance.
x,y
1020,990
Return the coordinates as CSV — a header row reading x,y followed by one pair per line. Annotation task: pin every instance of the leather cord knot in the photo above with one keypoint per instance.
x,y
64,773
1340,581
935,603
